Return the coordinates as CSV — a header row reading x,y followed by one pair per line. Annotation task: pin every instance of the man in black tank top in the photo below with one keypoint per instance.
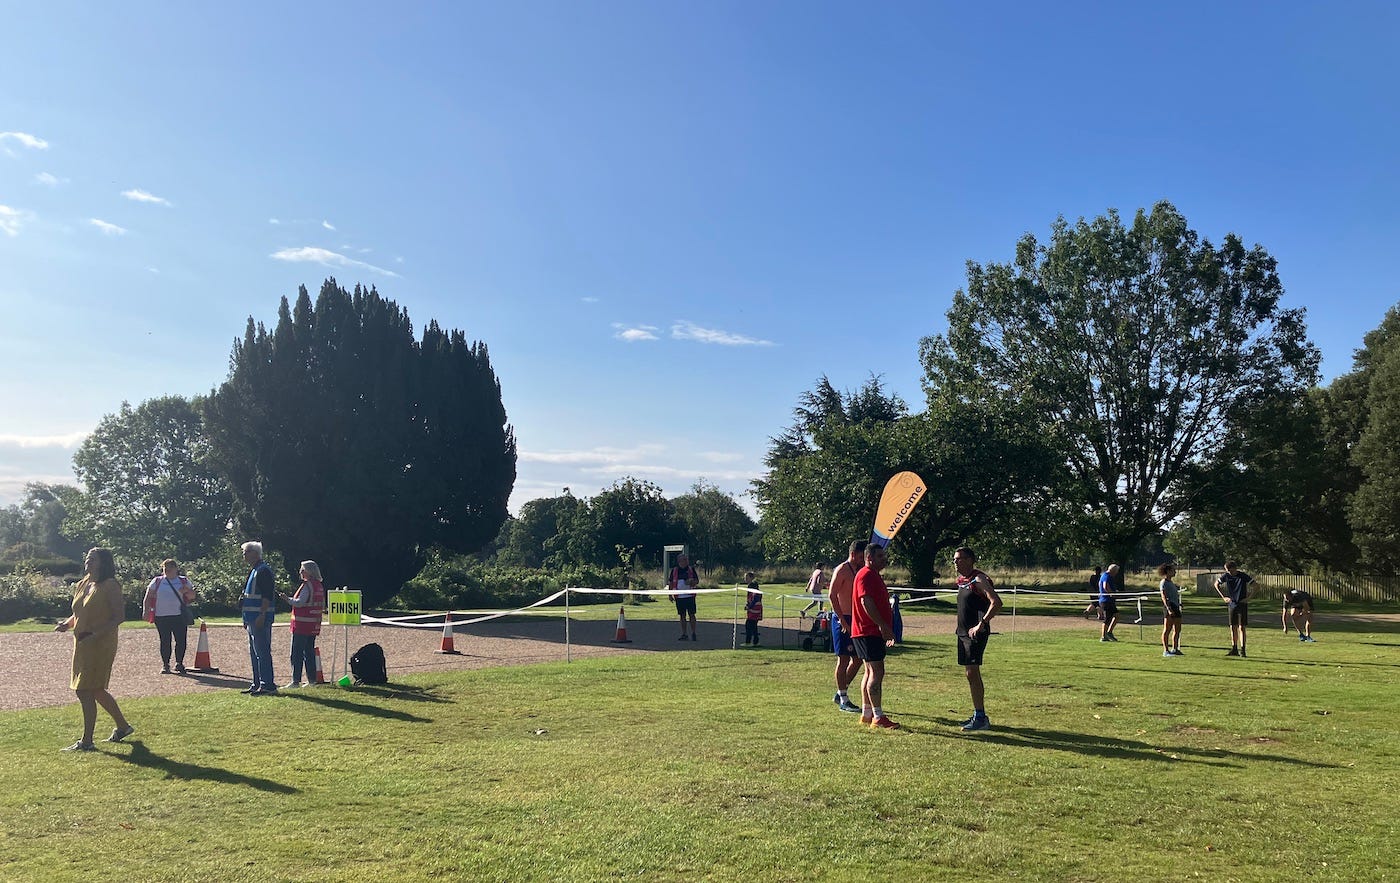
x,y
978,602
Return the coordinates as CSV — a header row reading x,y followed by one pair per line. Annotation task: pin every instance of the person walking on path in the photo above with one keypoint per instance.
x,y
872,632
259,608
307,605
978,602
683,577
166,599
753,609
1108,603
1171,610
1299,604
98,611
815,583
843,580
1234,588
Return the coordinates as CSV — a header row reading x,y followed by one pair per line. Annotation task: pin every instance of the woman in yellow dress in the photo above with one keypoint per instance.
x,y
98,609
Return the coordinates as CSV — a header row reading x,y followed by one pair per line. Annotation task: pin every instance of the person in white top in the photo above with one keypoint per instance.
x,y
815,584
165,597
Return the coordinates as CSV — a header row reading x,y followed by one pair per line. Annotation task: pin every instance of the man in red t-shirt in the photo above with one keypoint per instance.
x,y
872,632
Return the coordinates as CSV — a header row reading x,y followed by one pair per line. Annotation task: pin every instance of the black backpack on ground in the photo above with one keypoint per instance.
x,y
367,665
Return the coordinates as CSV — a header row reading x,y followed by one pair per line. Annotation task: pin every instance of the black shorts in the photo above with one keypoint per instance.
x,y
1173,611
685,605
970,649
1239,614
870,648
1109,608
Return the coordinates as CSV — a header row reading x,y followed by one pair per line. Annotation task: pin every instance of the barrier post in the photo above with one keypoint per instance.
x,y
568,651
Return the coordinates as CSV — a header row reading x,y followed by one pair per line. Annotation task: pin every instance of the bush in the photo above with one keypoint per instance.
x,y
463,583
33,595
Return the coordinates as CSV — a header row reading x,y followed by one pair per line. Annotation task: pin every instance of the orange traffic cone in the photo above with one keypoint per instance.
x,y
201,653
447,637
320,672
621,627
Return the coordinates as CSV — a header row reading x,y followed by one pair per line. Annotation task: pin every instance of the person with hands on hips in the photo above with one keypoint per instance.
x,y
978,602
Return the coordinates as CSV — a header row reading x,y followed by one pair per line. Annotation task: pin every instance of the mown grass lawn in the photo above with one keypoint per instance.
x,y
1106,762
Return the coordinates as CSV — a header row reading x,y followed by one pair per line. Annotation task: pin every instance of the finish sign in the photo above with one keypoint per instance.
x,y
343,607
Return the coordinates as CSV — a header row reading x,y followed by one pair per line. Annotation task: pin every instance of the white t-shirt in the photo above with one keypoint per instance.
x,y
167,594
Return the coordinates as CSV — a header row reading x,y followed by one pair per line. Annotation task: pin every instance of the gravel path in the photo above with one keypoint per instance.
x,y
35,666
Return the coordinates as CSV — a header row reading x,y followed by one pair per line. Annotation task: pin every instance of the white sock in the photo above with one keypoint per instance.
x,y
866,711
842,695
879,712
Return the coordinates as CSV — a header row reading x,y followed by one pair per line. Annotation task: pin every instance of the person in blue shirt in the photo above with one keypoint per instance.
x,y
259,606
1108,603
1234,588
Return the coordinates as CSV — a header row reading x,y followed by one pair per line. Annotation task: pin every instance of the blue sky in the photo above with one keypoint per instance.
x,y
665,219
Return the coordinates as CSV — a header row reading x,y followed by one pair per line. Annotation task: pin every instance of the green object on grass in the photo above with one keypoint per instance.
x,y
344,682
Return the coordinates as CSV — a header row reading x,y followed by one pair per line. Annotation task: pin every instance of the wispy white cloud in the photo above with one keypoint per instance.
x,y
398,259
273,221
106,228
589,300
23,139
721,456
49,180
684,330
139,195
326,258
64,440
12,219
153,270
328,225
635,333
592,456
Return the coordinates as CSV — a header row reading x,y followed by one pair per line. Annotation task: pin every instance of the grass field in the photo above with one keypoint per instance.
x,y
1106,762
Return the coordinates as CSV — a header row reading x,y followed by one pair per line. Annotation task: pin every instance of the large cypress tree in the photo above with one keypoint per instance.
x,y
348,441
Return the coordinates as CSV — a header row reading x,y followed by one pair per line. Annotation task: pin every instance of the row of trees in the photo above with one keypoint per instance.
x,y
1104,389
1107,387
337,436
627,524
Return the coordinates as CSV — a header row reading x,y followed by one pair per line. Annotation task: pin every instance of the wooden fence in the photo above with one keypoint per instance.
x,y
1333,587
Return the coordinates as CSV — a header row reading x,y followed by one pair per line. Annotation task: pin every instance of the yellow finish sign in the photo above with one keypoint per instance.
x,y
343,607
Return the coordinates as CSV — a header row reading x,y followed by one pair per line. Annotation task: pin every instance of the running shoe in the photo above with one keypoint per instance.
x,y
80,745
121,733
978,722
1167,654
1176,651
883,723
1311,639
1234,651
848,705
866,720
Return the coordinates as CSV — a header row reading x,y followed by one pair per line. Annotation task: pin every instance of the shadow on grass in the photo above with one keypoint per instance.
x,y
323,697
406,692
142,756
1108,746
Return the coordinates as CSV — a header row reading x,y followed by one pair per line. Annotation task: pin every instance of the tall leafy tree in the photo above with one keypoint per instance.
x,y
40,522
1375,512
633,514
150,488
1139,350
826,472
715,524
347,440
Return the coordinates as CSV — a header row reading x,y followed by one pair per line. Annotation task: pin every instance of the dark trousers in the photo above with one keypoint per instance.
x,y
172,628
304,656
750,631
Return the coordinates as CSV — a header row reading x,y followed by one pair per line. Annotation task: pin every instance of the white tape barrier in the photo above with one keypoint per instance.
x,y
476,616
